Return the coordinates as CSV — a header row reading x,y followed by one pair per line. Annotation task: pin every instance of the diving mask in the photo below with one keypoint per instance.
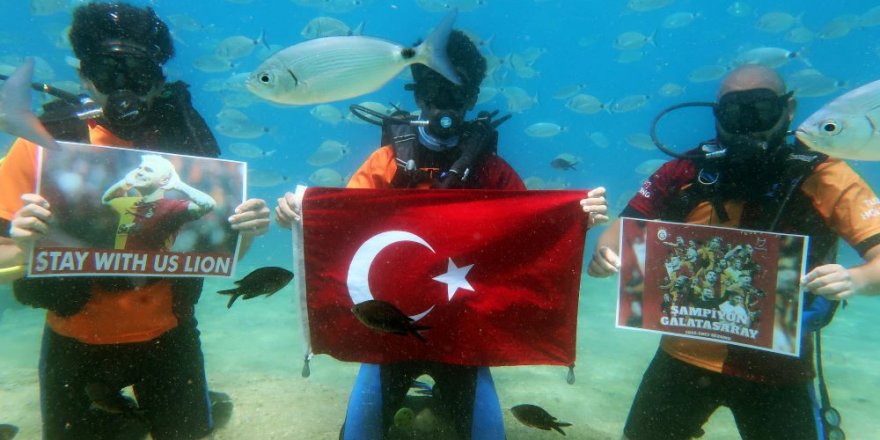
x,y
750,111
127,73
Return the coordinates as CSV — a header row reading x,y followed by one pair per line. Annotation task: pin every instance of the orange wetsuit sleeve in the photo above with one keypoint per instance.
x,y
848,205
18,175
376,172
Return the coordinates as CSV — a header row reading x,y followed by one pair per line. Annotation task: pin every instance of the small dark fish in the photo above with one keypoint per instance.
x,y
107,399
7,431
536,417
563,162
384,317
263,281
221,408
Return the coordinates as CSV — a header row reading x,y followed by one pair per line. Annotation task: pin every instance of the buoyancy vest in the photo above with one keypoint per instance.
x,y
780,208
174,126
413,165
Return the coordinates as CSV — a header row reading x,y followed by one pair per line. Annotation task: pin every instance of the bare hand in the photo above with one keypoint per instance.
x,y
596,207
605,263
31,222
832,281
174,182
251,218
288,211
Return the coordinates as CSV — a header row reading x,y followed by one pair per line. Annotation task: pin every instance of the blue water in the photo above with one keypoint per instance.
x,y
256,357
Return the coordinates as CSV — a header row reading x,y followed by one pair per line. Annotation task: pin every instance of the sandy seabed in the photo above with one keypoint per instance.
x,y
254,352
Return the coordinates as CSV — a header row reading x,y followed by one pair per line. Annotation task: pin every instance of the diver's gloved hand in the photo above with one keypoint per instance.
x,y
477,142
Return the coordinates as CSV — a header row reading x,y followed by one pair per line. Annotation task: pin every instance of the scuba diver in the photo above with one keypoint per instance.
x,y
749,177
108,333
438,149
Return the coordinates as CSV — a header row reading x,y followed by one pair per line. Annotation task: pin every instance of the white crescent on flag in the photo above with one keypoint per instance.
x,y
359,271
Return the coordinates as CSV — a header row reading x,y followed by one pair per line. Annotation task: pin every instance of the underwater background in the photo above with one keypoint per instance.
x,y
631,59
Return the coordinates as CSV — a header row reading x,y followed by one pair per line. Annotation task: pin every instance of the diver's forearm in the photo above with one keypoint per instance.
x,y
11,256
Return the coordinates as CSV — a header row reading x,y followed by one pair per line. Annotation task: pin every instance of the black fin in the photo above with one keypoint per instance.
x,y
415,332
557,427
232,299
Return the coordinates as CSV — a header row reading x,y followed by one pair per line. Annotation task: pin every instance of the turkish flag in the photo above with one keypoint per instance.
x,y
495,274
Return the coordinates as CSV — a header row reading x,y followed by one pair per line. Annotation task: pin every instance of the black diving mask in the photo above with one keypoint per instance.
x,y
750,111
127,74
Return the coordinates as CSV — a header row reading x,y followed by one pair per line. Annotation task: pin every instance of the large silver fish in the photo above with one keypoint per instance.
x,y
335,68
847,127
16,117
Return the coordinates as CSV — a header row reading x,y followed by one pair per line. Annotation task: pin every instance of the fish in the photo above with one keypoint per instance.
x,y
585,104
326,113
265,178
110,400
329,152
839,27
383,317
776,22
221,408
16,117
870,18
628,103
239,46
320,27
8,432
534,182
632,40
565,161
670,90
567,92
327,177
537,417
544,129
487,94
262,281
646,5
642,141
336,68
810,83
600,139
772,57
212,64
249,151
707,73
518,100
679,20
845,128
800,35
185,23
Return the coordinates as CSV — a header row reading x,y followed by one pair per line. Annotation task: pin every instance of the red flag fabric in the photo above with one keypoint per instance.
x,y
495,274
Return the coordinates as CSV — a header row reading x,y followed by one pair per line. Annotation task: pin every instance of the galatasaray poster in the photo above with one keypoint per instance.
x,y
718,284
128,212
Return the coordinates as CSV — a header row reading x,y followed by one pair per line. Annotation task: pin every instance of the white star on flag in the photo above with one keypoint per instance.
x,y
455,278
